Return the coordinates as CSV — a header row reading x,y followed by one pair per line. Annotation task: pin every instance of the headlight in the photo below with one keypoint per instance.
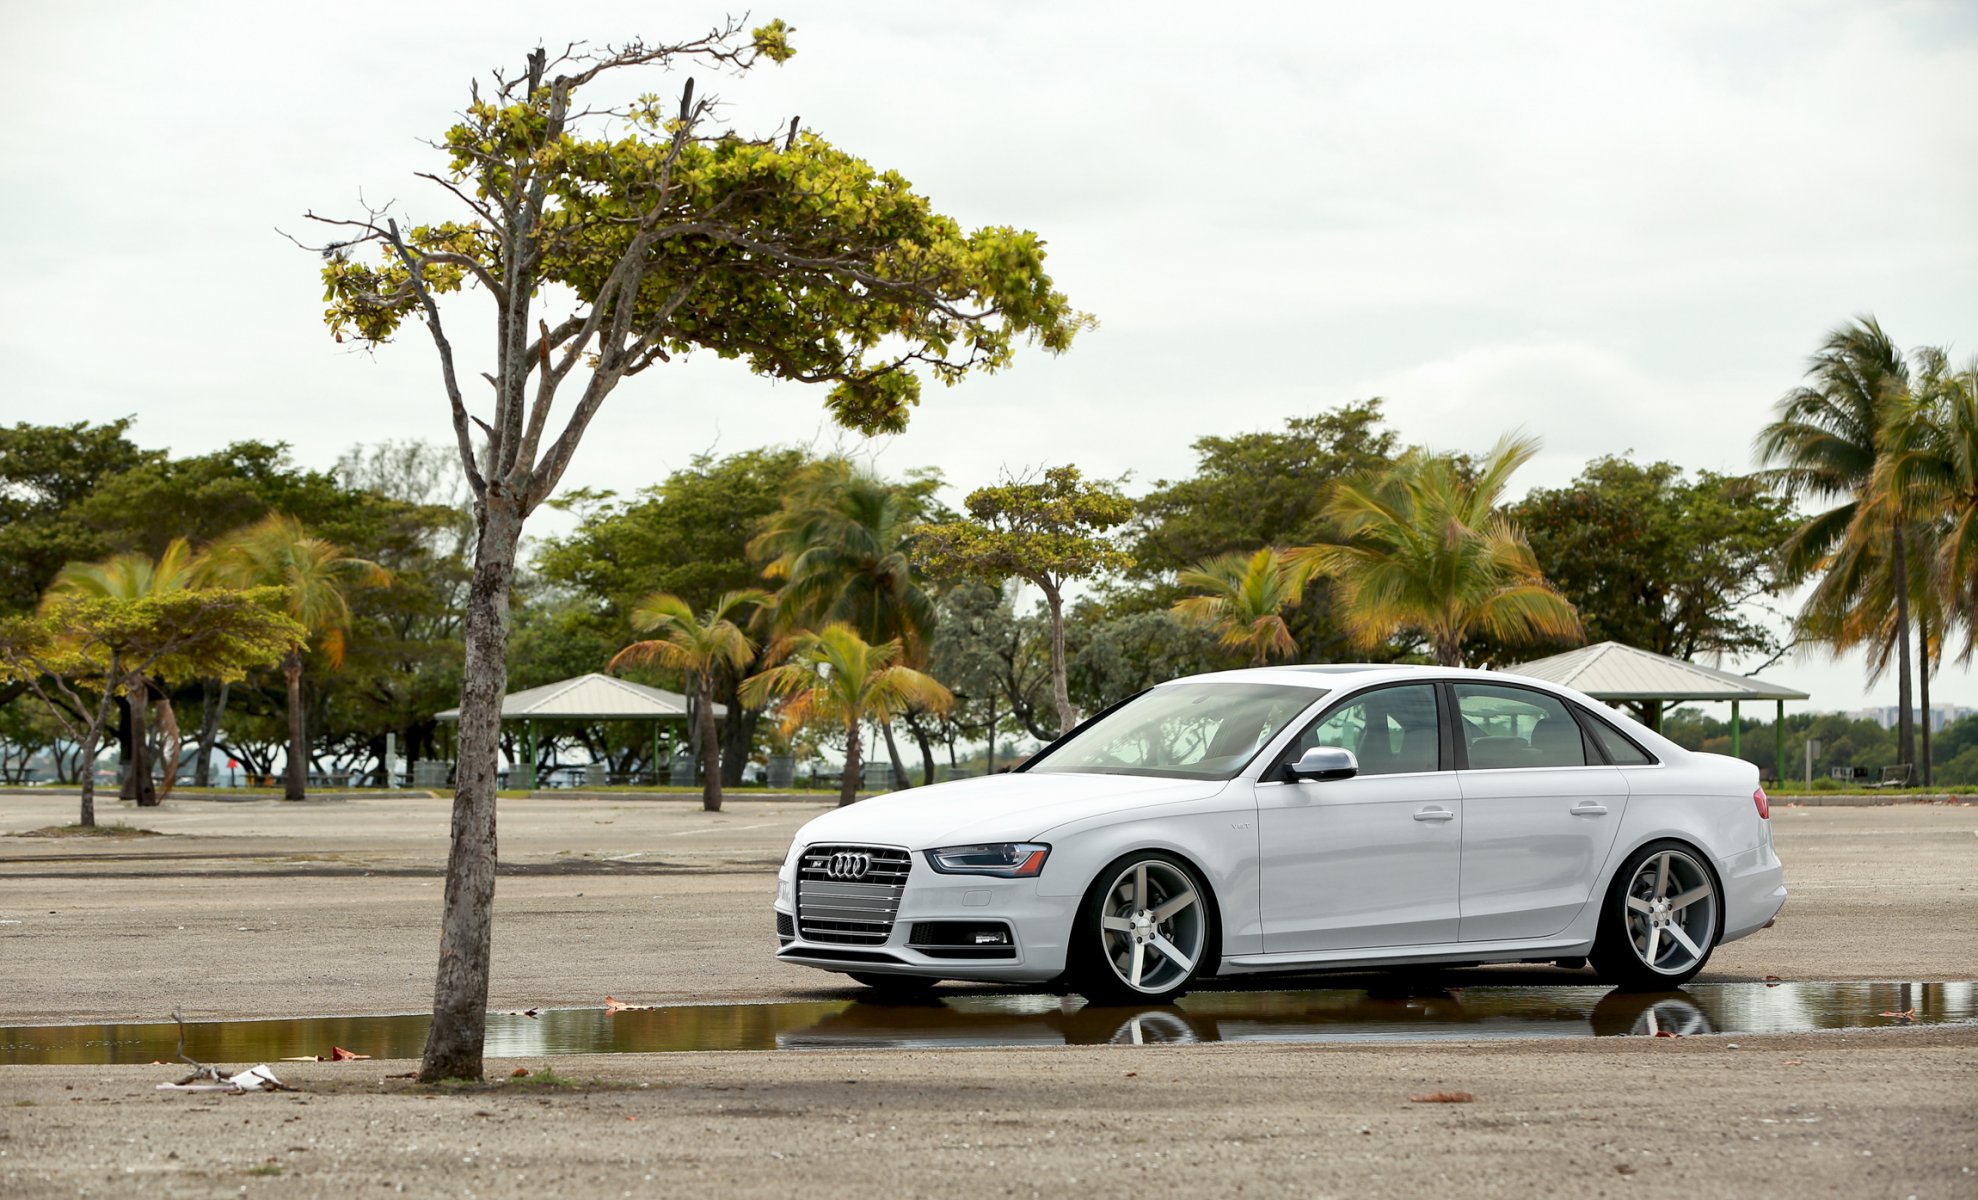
x,y
1005,860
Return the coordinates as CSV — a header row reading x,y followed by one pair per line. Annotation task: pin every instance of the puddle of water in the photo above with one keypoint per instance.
x,y
1005,1019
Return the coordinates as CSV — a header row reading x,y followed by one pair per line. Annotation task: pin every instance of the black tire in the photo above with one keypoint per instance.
x,y
885,987
1634,948
1098,960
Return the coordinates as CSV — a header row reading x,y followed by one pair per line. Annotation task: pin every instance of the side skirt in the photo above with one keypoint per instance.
x,y
1388,956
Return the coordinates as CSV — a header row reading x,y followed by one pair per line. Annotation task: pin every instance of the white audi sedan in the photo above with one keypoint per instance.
x,y
1293,819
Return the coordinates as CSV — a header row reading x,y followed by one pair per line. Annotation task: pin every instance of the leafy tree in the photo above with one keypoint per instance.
x,y
1423,547
204,497
1676,566
1825,443
835,677
1045,533
45,471
81,644
311,574
661,236
700,646
1252,490
1244,600
135,576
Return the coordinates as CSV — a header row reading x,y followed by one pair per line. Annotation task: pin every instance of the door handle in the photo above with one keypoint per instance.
x,y
1587,808
1434,814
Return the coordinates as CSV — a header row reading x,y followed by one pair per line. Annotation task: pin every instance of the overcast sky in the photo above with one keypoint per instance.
x,y
1623,228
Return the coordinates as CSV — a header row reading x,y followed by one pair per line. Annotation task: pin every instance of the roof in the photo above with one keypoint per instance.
x,y
1611,671
591,697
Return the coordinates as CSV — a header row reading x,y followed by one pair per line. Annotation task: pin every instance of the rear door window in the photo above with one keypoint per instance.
x,y
1506,727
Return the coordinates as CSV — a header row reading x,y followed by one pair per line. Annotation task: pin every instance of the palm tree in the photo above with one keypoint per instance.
x,y
136,576
1928,470
312,572
1244,600
1936,467
836,676
700,646
1423,547
840,546
1826,441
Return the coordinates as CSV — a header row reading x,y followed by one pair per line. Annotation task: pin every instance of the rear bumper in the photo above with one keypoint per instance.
x,y
1754,891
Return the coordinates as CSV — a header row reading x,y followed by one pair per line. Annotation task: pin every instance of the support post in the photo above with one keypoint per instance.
x,y
655,752
1779,744
391,760
1737,732
529,756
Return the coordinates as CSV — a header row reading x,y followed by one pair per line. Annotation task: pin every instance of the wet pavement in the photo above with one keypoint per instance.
x,y
1029,1019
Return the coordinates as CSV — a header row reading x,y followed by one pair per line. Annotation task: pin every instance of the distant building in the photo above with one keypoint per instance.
x,y
1940,715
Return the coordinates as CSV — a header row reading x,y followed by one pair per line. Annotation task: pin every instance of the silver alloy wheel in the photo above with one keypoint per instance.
x,y
1671,912
1153,925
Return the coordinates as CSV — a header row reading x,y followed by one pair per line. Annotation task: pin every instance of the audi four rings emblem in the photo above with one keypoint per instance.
x,y
848,865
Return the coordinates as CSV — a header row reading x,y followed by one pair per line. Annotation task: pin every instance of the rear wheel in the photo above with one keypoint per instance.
x,y
1661,919
1144,932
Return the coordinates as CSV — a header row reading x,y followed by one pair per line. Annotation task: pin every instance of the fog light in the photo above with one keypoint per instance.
x,y
992,939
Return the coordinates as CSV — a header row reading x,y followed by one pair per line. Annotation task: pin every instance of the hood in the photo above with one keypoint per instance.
x,y
998,808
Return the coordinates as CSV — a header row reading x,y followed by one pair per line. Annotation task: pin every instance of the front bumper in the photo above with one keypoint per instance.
x,y
1039,927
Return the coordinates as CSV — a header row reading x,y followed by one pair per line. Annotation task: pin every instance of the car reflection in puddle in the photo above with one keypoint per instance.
x,y
1383,1013
1377,1015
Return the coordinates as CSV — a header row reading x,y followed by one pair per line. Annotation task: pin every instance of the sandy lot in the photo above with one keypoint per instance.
x,y
261,908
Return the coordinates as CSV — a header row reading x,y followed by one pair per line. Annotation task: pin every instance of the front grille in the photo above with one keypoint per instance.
x,y
855,912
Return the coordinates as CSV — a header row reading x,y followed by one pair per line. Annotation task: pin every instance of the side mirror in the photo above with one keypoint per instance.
x,y
1323,762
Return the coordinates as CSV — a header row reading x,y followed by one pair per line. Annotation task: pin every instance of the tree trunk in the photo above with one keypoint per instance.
x,y
848,787
170,745
1905,725
212,705
991,769
893,754
460,988
737,732
137,774
298,757
126,778
926,750
1060,688
710,746
1448,650
1923,684
88,772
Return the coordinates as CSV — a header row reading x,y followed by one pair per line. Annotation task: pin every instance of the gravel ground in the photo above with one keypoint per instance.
x,y
261,908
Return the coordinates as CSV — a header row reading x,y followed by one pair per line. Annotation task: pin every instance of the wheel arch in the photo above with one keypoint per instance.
x,y
1212,957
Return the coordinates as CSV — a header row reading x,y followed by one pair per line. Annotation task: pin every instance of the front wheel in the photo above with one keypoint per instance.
x,y
1661,919
1143,933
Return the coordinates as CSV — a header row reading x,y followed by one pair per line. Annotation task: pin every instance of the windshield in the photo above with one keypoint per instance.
x,y
1182,730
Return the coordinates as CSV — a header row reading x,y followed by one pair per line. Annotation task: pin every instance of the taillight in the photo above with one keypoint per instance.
x,y
1764,805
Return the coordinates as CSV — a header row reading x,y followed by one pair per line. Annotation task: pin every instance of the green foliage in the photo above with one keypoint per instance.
x,y
203,633
687,535
834,676
699,644
1422,547
310,572
1253,490
789,253
1654,560
1044,533
840,546
1243,600
1114,656
46,471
